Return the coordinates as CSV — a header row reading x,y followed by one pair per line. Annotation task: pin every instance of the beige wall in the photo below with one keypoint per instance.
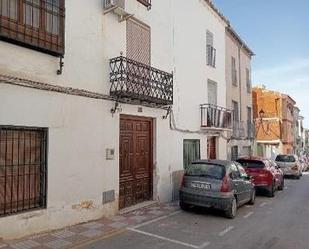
x,y
238,93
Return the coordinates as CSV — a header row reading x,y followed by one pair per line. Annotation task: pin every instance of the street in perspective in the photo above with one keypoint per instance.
x,y
154,124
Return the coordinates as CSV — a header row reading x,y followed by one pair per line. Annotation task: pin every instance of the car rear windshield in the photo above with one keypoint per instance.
x,y
252,164
285,158
215,171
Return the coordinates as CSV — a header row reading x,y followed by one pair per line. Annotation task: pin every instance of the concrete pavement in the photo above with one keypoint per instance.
x,y
281,222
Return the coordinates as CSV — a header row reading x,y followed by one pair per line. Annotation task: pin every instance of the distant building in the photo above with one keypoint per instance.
x,y
273,113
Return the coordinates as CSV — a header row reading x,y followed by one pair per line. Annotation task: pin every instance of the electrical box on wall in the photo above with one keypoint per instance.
x,y
110,154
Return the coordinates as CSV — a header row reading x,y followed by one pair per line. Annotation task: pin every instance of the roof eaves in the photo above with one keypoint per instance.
x,y
238,38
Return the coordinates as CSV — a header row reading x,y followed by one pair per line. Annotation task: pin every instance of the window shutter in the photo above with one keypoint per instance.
x,y
138,42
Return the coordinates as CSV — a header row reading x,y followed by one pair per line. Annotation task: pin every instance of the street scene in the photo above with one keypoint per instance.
x,y
154,124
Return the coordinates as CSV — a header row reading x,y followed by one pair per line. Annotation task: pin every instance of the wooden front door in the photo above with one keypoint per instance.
x,y
135,160
212,148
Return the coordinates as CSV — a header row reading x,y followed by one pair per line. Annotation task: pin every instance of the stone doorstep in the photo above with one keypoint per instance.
x,y
136,207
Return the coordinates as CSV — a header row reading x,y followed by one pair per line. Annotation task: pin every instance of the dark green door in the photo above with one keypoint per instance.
x,y
191,151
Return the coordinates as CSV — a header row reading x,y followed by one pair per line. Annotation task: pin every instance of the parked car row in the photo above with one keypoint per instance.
x,y
226,185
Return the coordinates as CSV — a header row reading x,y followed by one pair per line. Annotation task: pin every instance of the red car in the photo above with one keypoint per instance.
x,y
265,174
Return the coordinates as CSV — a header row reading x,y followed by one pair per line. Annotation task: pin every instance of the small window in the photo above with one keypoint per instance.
x,y
235,111
23,169
210,50
234,72
248,80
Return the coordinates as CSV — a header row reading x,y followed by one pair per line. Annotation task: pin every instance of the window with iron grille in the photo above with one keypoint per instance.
x,y
23,169
234,72
210,50
248,80
37,24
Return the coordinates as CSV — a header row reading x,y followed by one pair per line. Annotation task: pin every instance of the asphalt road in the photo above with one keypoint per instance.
x,y
281,222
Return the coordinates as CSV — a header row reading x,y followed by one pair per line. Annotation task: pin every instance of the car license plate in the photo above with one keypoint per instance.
x,y
200,185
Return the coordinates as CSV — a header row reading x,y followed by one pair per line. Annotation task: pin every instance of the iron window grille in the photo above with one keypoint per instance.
x,y
137,81
211,56
213,116
36,24
23,169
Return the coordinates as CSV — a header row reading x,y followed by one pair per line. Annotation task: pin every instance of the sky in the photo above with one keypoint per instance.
x,y
278,33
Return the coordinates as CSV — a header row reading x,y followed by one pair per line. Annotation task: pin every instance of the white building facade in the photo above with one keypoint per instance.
x,y
105,113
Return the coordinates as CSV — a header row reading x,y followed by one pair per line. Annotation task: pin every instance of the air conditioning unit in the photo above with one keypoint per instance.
x,y
108,4
117,7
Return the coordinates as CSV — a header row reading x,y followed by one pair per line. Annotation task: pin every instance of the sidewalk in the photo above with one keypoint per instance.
x,y
80,234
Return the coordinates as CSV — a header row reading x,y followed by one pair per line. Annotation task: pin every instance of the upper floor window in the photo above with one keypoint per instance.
x,y
38,24
212,92
234,71
248,80
210,50
235,111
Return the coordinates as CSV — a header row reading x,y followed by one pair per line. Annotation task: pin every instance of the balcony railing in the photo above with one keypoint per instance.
x,y
136,81
250,130
239,130
213,116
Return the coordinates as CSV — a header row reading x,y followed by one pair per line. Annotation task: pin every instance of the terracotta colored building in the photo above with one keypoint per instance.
x,y
273,113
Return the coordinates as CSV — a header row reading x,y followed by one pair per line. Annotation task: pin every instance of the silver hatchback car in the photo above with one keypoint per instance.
x,y
216,184
290,165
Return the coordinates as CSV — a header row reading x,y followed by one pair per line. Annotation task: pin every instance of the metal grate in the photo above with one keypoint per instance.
x,y
37,24
108,196
23,169
134,80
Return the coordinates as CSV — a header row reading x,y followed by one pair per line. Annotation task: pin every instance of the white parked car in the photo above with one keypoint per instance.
x,y
290,165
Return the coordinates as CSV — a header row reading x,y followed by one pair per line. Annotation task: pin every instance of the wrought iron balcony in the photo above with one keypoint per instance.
x,y
238,130
136,81
215,117
250,130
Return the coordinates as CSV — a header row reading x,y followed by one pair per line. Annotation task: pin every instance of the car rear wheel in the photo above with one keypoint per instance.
x,y
184,206
281,187
232,210
298,177
252,200
271,192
